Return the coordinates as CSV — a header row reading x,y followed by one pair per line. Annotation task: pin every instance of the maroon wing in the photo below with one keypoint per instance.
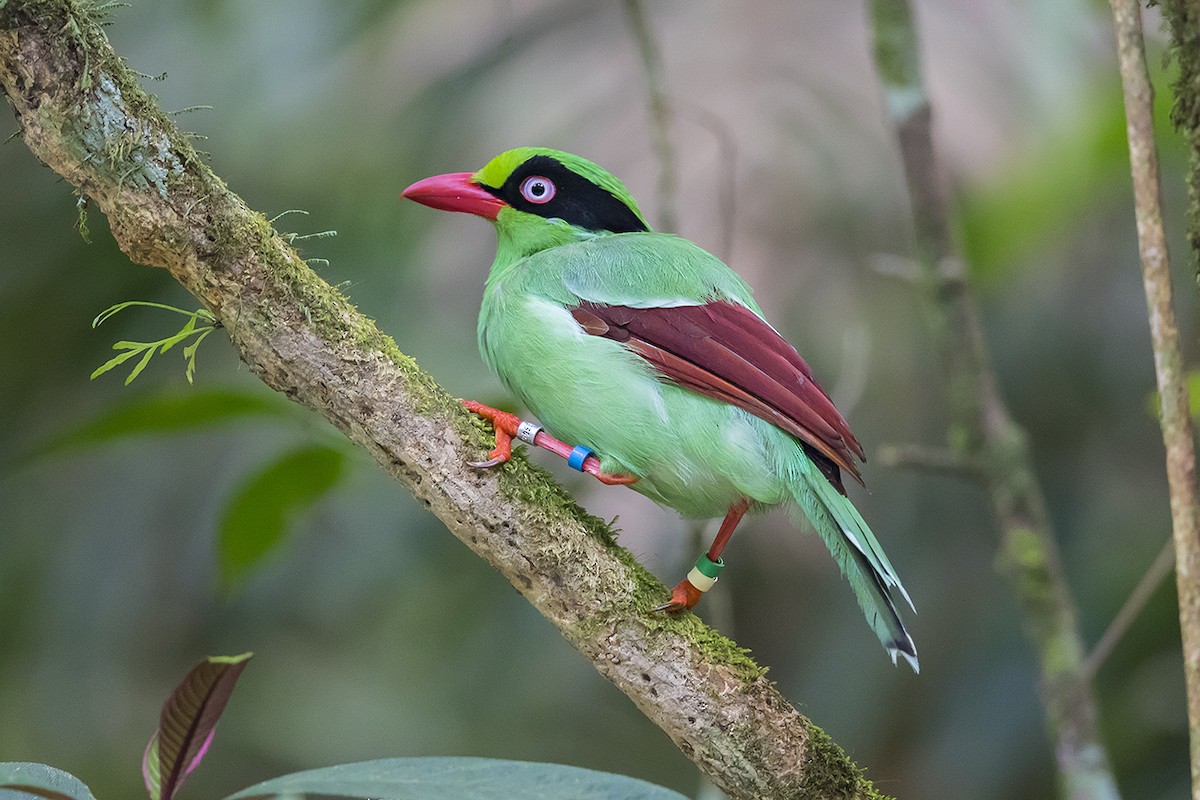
x,y
727,352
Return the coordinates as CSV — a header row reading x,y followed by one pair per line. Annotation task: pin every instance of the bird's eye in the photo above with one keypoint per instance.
x,y
537,189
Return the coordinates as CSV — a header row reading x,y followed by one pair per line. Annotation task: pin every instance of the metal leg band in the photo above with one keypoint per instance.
x,y
528,431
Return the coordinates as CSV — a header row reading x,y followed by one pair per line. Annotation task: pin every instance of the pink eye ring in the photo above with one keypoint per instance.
x,y
537,189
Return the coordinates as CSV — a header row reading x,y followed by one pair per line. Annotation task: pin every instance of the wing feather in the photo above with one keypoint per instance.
x,y
727,352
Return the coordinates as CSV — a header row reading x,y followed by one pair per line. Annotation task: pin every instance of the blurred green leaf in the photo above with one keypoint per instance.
x,y
188,722
1015,215
1053,187
263,508
166,413
450,778
38,780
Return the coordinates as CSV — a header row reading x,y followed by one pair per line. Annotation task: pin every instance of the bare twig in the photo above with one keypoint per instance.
x,y
982,431
929,459
660,113
85,115
1131,608
1175,417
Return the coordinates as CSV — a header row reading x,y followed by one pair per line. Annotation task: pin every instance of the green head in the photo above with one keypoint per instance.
x,y
537,197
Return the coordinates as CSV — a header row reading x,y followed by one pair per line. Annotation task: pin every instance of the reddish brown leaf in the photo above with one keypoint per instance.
x,y
188,722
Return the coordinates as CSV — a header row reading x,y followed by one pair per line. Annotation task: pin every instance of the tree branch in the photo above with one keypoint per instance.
x,y
85,116
981,430
939,460
660,113
1183,18
1175,417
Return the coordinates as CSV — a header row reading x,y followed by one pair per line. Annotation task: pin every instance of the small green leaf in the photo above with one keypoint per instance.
x,y
149,349
188,722
451,778
166,344
189,353
114,362
262,509
141,365
39,780
107,313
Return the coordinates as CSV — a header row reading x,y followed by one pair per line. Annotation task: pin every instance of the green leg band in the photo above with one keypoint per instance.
x,y
704,573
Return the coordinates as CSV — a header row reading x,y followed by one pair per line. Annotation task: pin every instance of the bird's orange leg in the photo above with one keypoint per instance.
x,y
505,425
510,426
688,591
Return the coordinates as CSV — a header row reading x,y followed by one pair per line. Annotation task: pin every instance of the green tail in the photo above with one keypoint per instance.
x,y
862,561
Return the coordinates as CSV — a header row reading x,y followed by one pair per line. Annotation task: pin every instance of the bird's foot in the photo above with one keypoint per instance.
x,y
683,597
509,426
688,591
505,425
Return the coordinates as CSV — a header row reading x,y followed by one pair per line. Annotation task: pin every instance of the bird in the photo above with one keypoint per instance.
x,y
647,363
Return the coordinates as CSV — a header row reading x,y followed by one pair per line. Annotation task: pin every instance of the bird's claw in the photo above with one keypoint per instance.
x,y
491,462
683,597
505,426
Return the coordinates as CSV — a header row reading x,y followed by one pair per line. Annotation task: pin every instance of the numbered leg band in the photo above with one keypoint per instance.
x,y
577,457
705,573
528,431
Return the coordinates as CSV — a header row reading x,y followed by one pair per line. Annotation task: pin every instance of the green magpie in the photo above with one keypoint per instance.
x,y
651,356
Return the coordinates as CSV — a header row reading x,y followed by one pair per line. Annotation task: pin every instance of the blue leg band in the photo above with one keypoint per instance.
x,y
577,457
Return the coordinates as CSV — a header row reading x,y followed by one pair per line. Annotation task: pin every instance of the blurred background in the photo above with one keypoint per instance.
x,y
377,633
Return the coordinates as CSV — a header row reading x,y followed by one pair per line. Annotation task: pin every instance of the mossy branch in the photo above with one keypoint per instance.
x,y
1183,18
86,117
1175,415
982,433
